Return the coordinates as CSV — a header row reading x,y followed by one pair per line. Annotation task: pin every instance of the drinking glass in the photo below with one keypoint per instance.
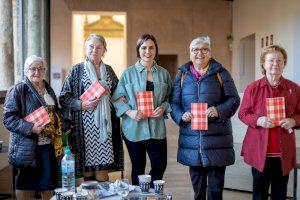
x,y
122,187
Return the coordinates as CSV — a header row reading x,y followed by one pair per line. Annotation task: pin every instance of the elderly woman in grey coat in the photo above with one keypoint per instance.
x,y
95,140
31,148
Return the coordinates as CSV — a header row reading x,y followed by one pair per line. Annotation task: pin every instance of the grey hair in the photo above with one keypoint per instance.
x,y
96,37
32,60
200,40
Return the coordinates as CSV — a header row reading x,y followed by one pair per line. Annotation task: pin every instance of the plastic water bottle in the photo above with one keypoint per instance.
x,y
68,171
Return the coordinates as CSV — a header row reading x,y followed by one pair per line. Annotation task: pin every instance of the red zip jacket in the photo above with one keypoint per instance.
x,y
256,140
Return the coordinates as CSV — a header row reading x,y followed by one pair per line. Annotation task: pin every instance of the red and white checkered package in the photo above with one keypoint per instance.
x,y
275,109
199,120
144,102
94,91
39,116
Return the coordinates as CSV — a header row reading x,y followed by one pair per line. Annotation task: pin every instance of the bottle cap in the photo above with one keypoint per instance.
x,y
67,151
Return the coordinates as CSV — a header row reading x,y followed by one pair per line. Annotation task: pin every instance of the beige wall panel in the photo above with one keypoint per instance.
x,y
173,22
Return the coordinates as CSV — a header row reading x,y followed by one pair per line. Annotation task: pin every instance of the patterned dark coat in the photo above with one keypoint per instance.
x,y
69,99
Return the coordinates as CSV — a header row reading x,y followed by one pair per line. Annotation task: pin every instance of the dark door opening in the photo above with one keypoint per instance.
x,y
169,62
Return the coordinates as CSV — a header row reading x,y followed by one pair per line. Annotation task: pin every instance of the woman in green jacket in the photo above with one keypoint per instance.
x,y
144,134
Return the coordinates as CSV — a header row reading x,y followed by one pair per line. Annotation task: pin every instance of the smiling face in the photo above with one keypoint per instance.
x,y
200,55
36,73
147,52
94,50
274,64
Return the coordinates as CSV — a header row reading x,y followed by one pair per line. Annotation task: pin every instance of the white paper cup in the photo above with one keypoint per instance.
x,y
58,192
144,182
159,186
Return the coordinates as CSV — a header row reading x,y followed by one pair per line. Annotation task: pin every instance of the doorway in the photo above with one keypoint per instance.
x,y
112,26
246,61
169,62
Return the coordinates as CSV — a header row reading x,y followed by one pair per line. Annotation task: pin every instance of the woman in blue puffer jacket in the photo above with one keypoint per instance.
x,y
206,152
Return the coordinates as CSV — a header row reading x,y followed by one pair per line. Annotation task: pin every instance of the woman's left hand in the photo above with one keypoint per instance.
x,y
212,112
158,112
287,123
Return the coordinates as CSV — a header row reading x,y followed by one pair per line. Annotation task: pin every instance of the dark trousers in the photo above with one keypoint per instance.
x,y
272,174
157,152
207,178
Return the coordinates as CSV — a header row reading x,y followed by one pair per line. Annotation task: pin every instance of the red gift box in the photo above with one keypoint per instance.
x,y
145,103
39,116
94,91
275,109
199,120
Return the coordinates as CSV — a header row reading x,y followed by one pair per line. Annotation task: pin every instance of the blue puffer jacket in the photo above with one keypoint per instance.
x,y
21,100
213,147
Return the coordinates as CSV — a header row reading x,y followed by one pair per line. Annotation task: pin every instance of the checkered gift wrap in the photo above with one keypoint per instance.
x,y
144,102
275,109
199,120
94,91
39,116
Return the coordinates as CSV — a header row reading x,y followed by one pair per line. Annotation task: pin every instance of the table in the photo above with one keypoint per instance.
x,y
133,195
5,150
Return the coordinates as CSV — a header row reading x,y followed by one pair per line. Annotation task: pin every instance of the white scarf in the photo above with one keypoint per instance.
x,y
102,111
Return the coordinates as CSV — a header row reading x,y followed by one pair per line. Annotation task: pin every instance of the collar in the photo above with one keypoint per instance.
x,y
141,68
282,82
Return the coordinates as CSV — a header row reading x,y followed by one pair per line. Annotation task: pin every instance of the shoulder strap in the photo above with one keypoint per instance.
x,y
182,78
220,79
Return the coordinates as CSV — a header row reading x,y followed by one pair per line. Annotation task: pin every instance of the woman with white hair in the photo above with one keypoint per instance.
x,y
206,152
31,148
96,138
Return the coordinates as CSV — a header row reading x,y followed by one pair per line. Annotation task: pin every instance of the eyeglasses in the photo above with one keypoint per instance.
x,y
272,61
92,47
37,69
203,50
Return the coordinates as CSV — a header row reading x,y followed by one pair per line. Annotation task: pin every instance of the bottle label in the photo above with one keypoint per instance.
x,y
67,167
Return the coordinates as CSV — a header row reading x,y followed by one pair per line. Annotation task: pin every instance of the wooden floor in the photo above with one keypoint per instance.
x,y
177,178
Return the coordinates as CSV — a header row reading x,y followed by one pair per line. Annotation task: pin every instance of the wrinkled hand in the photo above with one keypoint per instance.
x,y
287,123
187,116
158,112
135,114
37,128
265,122
123,100
90,104
212,112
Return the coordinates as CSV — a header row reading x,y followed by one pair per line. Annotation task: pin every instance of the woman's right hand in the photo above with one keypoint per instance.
x,y
135,114
90,104
37,128
265,122
187,117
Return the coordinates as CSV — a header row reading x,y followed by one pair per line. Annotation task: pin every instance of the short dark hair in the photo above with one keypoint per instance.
x,y
143,39
271,49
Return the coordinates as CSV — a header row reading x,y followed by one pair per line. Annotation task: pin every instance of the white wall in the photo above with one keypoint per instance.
x,y
277,17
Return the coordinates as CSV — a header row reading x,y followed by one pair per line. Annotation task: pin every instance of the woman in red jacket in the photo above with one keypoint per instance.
x,y
269,146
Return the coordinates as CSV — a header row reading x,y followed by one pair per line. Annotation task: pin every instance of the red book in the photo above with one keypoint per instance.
x,y
145,103
275,109
199,120
94,91
39,116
